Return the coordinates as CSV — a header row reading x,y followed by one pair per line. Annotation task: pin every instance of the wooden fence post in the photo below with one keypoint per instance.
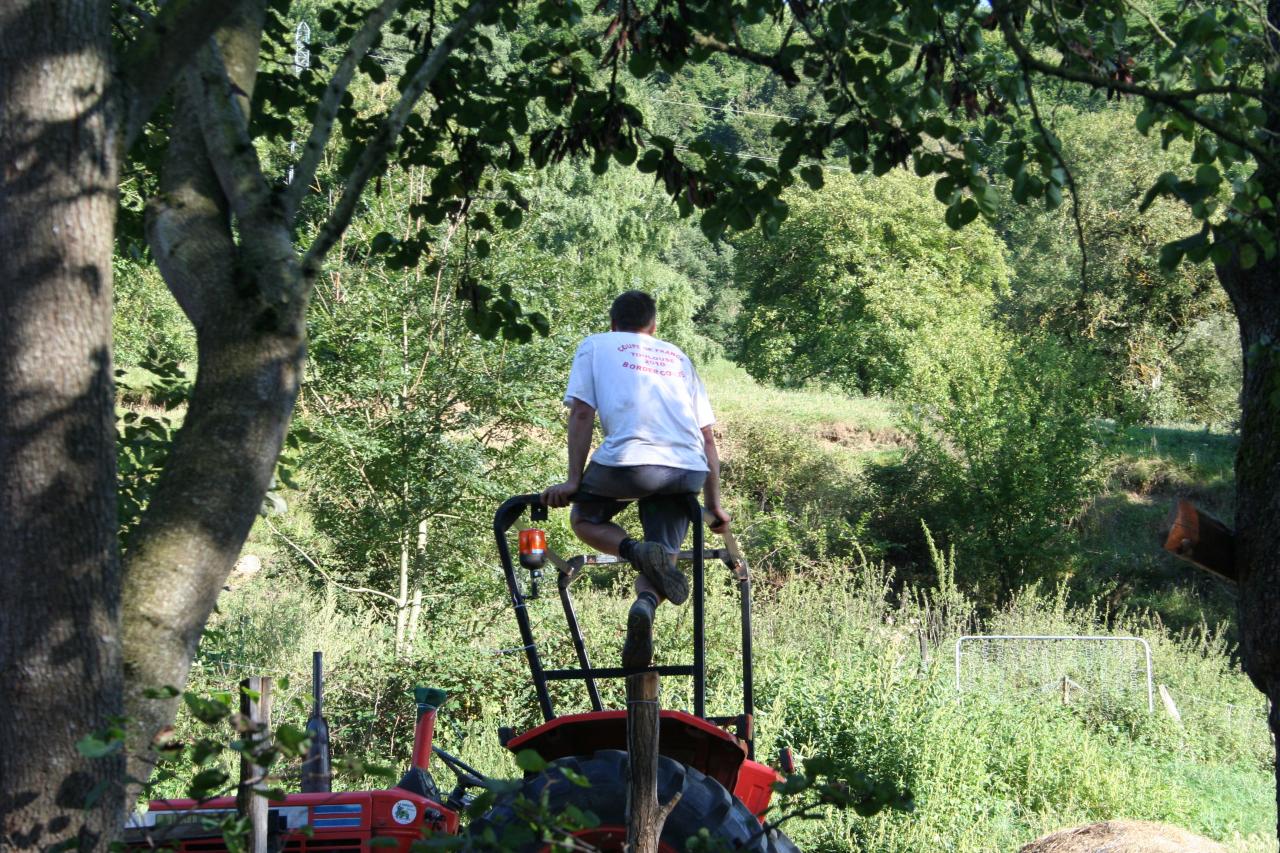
x,y
256,723
645,816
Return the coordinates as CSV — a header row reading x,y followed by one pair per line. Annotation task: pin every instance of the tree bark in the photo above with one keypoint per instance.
x,y
247,301
1256,293
59,565
645,815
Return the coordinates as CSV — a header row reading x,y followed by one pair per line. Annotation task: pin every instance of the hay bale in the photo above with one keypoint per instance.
x,y
1123,836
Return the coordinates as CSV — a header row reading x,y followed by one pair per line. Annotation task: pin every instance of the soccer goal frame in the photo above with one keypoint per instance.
x,y
1146,649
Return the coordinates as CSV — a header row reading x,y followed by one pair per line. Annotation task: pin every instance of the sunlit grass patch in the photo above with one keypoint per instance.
x,y
734,392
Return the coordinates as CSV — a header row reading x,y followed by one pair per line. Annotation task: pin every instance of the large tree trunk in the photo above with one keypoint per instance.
x,y
1256,294
250,346
59,567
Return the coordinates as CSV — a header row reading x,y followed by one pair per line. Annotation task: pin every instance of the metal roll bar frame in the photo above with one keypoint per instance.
x,y
568,570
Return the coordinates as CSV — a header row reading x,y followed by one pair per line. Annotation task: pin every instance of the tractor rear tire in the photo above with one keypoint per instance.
x,y
704,803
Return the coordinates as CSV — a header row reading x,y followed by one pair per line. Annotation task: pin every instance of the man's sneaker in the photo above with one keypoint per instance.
x,y
653,561
637,651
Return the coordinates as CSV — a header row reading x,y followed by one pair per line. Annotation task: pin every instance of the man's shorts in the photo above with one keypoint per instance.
x,y
662,493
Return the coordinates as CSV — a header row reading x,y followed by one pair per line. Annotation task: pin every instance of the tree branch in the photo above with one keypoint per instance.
x,y
1056,149
327,110
359,590
772,62
225,128
1151,22
1175,99
374,157
160,53
226,136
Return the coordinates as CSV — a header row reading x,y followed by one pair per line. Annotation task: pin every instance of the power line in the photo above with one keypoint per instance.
x,y
723,109
748,154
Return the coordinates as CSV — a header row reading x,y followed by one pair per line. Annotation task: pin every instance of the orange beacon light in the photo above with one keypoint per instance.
x,y
533,551
533,548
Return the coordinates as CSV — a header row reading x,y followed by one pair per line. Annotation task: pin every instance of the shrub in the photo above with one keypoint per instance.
x,y
1005,453
862,280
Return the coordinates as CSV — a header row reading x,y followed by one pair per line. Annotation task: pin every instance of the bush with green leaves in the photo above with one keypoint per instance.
x,y
147,321
1007,449
1166,336
862,283
792,502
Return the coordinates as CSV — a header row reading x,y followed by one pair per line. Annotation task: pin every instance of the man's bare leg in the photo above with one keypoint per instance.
x,y
604,537
643,585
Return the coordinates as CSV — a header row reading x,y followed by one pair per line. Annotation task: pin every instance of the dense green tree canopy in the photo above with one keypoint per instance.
x,y
863,285
1166,335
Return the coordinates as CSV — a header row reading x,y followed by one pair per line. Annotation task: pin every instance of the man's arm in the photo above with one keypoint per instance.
x,y
711,489
582,419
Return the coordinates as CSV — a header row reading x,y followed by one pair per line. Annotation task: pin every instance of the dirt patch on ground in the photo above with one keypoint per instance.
x,y
1123,836
859,438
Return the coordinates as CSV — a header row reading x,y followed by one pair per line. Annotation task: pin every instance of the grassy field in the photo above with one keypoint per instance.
x,y
840,669
734,393
1151,469
1118,558
839,672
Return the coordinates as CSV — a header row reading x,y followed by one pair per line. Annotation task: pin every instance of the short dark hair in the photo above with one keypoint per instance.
x,y
632,311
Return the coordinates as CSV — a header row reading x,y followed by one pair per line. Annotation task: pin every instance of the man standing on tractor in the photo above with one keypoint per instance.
x,y
658,448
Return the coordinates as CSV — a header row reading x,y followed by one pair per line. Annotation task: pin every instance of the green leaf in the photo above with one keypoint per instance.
x,y
205,749
93,746
625,154
1145,119
207,711
988,199
945,189
935,127
641,64
166,692
206,782
530,762
579,779
370,66
1248,255
1170,256
1053,195
812,176
1207,175
291,738
712,223
961,213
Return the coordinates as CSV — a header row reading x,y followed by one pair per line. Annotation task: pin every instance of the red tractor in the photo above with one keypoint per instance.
x,y
709,760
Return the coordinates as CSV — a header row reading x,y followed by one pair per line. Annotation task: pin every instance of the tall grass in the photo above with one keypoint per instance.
x,y
847,665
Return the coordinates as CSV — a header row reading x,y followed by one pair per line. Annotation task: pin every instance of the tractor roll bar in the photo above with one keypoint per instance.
x,y
506,517
508,514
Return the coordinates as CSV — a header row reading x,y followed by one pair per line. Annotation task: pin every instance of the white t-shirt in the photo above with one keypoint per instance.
x,y
651,402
